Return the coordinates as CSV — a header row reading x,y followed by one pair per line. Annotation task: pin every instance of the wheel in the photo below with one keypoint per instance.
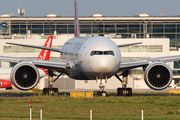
x,y
120,91
124,91
98,93
129,91
103,94
52,91
55,90
46,91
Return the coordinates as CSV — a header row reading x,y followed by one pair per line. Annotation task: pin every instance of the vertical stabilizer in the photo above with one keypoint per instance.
x,y
45,54
76,22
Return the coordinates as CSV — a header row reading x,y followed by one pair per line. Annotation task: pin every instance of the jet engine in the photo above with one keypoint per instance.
x,y
24,76
158,75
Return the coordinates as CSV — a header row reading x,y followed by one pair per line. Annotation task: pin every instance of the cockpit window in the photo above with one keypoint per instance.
x,y
106,53
102,53
93,53
111,52
99,52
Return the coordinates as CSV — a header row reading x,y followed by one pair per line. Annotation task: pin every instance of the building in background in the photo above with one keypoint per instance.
x,y
160,36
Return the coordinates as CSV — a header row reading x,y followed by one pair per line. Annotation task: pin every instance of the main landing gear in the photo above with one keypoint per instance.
x,y
50,90
101,92
124,91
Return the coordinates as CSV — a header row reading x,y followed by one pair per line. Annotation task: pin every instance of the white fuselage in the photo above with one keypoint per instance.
x,y
5,73
91,57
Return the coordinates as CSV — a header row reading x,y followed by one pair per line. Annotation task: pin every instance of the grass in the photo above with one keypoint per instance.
x,y
109,108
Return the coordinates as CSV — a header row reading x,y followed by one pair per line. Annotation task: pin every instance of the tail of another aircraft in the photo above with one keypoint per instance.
x,y
76,22
45,54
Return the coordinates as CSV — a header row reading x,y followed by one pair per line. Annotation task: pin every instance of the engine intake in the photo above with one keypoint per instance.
x,y
24,76
158,75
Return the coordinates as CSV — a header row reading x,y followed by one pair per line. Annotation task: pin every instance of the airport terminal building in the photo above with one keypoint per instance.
x,y
160,36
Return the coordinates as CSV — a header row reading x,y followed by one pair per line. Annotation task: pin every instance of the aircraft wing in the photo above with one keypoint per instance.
x,y
128,44
130,64
35,46
47,64
125,65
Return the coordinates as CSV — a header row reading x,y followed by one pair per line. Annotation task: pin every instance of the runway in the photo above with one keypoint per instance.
x,y
115,90
137,92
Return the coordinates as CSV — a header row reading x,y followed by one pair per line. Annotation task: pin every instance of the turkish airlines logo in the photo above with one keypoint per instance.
x,y
43,57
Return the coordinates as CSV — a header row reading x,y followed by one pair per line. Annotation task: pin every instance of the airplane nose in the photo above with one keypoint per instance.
x,y
104,64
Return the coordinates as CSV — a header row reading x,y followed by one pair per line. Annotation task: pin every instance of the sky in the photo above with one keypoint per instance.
x,y
90,7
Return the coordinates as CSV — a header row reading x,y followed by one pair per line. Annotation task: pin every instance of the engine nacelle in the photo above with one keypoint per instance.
x,y
24,76
158,75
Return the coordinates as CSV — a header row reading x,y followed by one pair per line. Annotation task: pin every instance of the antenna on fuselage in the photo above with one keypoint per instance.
x,y
76,22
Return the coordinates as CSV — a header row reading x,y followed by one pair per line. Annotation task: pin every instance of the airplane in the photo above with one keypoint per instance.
x,y
90,58
43,55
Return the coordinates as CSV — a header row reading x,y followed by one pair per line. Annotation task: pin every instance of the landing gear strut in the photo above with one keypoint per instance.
x,y
50,90
124,91
101,92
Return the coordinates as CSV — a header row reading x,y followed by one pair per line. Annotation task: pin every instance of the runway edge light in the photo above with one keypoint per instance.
x,y
30,102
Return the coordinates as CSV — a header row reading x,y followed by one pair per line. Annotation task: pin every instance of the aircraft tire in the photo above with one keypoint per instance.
x,y
99,93
55,90
103,94
47,91
129,91
120,91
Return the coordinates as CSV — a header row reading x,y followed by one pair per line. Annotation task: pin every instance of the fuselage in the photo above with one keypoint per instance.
x,y
5,73
91,57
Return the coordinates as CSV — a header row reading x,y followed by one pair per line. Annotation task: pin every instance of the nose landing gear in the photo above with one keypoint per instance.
x,y
101,92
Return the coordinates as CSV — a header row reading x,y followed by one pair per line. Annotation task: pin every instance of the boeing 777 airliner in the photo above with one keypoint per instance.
x,y
91,58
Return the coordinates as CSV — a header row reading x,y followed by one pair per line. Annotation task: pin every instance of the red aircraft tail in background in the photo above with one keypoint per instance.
x,y
45,54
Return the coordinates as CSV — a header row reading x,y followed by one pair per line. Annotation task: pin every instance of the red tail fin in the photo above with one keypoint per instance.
x,y
45,54
76,22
